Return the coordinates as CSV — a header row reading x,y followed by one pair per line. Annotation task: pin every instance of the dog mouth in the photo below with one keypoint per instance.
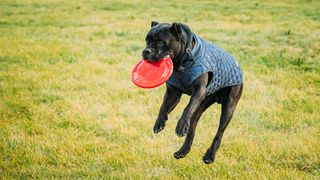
x,y
169,53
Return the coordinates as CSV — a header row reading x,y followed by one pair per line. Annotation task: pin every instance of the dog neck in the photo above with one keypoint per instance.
x,y
185,56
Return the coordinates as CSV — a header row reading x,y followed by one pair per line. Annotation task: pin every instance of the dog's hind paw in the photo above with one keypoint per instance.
x,y
181,153
208,158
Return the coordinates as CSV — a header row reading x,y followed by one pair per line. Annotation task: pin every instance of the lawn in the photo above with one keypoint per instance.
x,y
68,108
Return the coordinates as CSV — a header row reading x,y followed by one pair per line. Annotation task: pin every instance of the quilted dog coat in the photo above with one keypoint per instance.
x,y
207,57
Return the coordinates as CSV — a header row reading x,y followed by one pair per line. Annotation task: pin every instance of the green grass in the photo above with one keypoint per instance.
x,y
69,110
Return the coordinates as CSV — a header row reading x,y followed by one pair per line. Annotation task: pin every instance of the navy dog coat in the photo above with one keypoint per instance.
x,y
208,57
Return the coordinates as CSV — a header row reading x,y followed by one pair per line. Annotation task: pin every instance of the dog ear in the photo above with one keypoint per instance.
x,y
154,23
176,30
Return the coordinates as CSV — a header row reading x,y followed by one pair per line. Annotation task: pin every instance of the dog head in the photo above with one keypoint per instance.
x,y
163,40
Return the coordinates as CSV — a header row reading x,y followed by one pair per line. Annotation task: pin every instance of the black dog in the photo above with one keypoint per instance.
x,y
202,70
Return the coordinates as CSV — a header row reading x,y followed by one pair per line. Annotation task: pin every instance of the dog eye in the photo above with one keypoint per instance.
x,y
160,43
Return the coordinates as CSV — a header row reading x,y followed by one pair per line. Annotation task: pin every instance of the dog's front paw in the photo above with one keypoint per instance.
x,y
182,128
209,157
181,153
159,127
160,124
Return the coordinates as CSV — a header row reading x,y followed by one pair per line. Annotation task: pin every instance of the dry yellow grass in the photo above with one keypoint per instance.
x,y
69,110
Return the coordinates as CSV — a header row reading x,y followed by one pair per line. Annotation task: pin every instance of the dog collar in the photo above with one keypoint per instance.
x,y
186,60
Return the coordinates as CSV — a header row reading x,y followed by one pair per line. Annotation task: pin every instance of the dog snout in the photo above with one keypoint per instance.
x,y
146,53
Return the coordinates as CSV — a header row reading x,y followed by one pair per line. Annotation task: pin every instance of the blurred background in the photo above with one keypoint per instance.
x,y
68,108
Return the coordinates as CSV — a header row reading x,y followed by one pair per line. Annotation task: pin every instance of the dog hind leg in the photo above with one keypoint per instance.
x,y
229,103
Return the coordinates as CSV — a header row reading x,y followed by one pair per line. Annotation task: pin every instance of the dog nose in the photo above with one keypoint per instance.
x,y
146,52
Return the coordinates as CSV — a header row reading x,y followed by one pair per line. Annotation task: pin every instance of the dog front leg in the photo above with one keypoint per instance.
x,y
184,150
198,95
170,101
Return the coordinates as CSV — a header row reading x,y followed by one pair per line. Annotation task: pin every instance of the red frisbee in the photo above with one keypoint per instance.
x,y
148,74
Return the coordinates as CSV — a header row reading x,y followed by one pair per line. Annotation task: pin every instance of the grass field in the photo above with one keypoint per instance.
x,y
68,108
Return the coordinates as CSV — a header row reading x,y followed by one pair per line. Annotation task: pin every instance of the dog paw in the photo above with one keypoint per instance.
x,y
158,127
209,157
182,128
181,153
